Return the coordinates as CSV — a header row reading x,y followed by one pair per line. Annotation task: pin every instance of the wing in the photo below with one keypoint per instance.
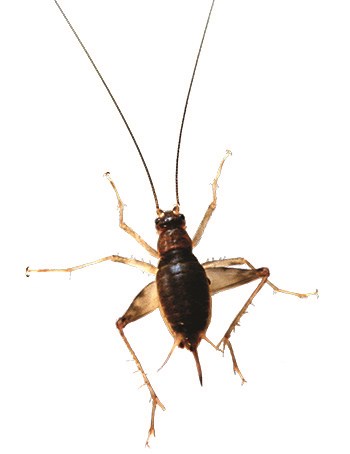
x,y
224,278
144,303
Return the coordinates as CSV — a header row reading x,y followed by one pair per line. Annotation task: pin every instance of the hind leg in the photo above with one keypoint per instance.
x,y
144,303
243,261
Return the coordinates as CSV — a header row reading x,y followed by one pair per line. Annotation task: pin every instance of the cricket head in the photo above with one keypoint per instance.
x,y
169,220
171,228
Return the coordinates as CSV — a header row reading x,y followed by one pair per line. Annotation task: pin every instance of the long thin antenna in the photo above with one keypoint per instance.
x,y
185,108
114,102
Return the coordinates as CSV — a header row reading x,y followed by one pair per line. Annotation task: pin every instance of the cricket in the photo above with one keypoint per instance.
x,y
183,287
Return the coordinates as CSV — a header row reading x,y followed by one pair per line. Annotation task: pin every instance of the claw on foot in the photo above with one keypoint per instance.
x,y
151,431
306,295
226,342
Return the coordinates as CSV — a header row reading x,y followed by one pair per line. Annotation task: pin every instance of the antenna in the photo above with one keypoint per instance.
x,y
186,105
114,102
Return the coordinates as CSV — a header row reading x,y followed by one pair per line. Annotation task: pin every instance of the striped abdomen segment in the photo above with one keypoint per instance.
x,y
185,301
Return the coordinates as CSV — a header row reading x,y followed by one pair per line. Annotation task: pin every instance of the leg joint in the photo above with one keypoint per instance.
x,y
264,272
121,323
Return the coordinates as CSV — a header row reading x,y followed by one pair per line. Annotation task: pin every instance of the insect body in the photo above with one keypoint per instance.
x,y
183,287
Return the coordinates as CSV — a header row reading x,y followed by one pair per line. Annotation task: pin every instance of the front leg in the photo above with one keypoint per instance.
x,y
124,226
198,235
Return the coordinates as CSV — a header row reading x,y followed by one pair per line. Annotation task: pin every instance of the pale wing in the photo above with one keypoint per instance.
x,y
144,303
223,278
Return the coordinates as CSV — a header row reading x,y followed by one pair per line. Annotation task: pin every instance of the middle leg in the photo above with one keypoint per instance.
x,y
147,267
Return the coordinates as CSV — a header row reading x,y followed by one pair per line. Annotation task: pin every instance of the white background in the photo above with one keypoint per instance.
x,y
273,86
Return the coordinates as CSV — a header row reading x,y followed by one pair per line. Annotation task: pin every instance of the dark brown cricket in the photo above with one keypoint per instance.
x,y
183,287
182,284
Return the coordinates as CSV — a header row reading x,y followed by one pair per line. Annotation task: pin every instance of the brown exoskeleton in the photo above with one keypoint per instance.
x,y
183,287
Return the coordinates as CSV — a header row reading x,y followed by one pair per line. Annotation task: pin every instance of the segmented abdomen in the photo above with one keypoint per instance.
x,y
183,290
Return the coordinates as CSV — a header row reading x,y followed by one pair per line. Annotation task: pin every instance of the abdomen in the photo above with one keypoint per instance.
x,y
185,301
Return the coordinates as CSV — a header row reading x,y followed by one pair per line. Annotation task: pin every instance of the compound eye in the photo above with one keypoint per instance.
x,y
181,219
160,222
